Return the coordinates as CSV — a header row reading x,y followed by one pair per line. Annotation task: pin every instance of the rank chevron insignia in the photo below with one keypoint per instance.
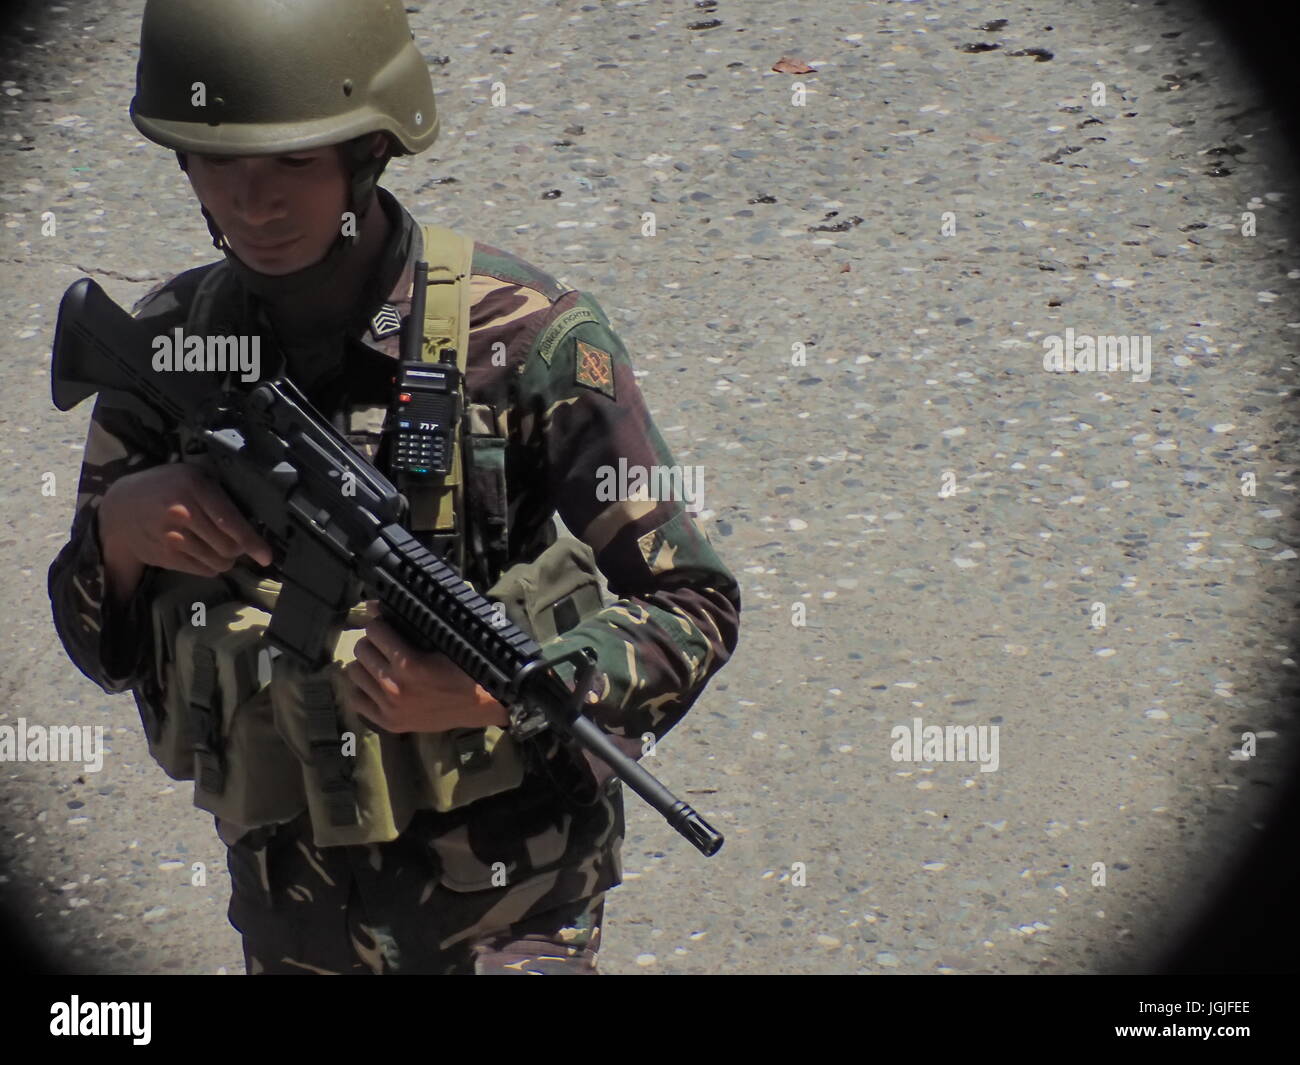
x,y
386,322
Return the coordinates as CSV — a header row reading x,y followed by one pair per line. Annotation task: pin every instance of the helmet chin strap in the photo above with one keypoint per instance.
x,y
365,168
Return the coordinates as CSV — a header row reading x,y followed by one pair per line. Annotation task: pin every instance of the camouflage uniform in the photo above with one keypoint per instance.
x,y
381,908
564,404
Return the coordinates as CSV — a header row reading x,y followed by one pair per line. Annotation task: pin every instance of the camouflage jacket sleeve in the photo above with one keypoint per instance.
x,y
109,642
676,621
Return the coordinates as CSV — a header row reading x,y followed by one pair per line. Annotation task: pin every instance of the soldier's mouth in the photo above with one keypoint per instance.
x,y
270,247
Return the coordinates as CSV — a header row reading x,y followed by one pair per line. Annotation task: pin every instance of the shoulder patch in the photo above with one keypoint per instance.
x,y
594,369
556,330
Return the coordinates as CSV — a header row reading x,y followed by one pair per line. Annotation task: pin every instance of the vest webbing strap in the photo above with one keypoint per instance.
x,y
205,706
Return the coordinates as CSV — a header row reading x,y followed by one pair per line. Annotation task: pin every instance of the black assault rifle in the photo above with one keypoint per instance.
x,y
333,523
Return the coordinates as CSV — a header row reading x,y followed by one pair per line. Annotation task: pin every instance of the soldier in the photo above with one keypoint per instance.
x,y
283,117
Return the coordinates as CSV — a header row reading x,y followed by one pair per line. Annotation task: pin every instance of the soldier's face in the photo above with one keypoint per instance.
x,y
281,213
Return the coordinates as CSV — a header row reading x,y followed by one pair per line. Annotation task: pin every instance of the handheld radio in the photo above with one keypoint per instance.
x,y
426,398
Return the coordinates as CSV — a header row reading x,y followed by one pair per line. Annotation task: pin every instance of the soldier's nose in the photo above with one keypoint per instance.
x,y
256,201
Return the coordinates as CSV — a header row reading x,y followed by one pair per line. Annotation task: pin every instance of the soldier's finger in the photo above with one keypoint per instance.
x,y
196,522
182,545
193,569
377,666
364,707
387,642
223,516
357,673
184,563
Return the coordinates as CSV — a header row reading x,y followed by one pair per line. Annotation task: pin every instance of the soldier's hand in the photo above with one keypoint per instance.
x,y
402,689
174,517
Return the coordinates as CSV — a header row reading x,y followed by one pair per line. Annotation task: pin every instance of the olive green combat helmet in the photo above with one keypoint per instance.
x,y
252,77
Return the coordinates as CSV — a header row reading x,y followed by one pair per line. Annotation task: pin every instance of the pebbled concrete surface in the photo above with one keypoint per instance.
x,y
959,600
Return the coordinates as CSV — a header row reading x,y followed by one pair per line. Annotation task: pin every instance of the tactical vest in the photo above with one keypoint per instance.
x,y
262,737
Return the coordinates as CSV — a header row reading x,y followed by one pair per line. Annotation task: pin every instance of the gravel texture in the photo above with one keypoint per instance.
x,y
841,316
